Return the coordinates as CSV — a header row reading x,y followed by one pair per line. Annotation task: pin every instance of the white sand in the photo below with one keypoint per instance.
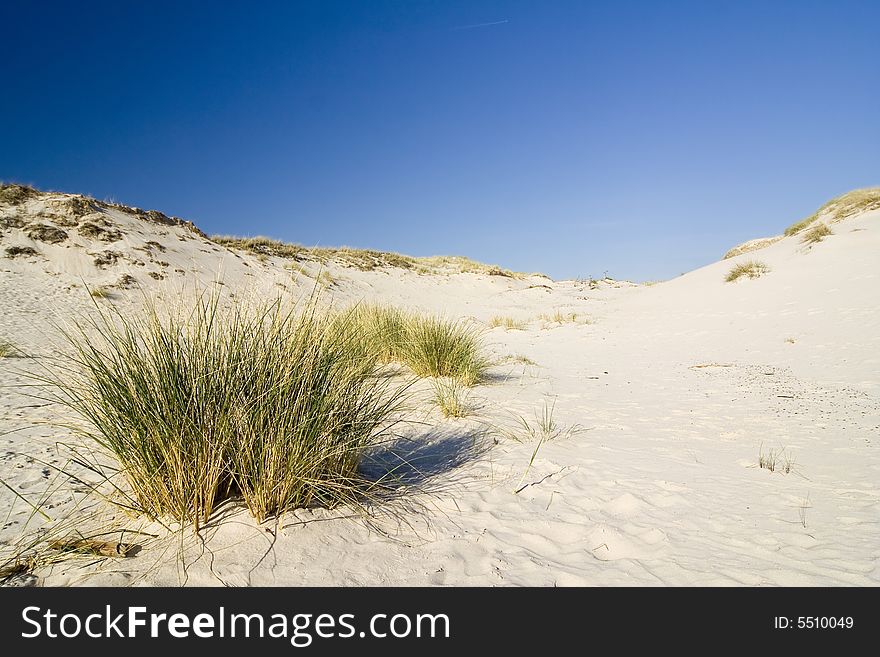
x,y
675,388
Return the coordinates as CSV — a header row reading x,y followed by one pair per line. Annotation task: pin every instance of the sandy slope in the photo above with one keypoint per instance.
x,y
671,391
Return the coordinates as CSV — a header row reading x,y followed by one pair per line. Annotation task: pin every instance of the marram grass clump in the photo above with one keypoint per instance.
x,y
749,269
816,234
428,345
451,397
439,347
383,331
271,405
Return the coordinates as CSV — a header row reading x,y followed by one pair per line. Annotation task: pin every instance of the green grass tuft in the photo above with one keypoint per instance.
x,y
326,279
266,404
508,323
382,330
451,397
816,234
520,359
7,349
750,269
101,292
438,347
559,317
776,460
430,346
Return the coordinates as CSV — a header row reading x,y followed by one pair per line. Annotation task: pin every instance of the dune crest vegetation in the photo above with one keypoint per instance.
x,y
841,207
365,259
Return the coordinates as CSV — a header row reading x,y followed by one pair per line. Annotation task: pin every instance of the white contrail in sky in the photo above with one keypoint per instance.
x,y
471,27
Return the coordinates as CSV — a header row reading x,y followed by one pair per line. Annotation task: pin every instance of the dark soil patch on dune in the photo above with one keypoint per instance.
x,y
15,194
16,251
11,222
104,233
106,258
45,233
126,281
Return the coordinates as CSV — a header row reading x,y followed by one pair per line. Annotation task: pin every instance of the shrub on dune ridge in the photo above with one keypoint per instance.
x,y
365,259
261,246
13,194
271,404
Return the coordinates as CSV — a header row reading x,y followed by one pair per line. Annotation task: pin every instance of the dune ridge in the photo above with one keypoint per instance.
x,y
621,436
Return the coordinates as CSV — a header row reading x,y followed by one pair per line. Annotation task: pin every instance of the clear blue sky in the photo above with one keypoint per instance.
x,y
641,138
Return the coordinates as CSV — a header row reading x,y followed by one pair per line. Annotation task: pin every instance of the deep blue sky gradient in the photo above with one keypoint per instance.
x,y
574,138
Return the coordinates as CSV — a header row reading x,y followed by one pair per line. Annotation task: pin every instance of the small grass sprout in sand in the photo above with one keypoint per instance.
x,y
298,268
559,317
508,323
519,359
816,234
101,292
84,531
7,349
749,269
451,398
325,279
546,423
802,510
544,429
776,460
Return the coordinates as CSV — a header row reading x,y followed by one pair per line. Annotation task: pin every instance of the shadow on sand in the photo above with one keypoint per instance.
x,y
428,461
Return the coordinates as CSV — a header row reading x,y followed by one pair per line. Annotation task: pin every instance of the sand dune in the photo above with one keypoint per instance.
x,y
666,398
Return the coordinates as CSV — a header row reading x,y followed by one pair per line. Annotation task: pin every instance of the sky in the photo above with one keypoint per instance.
x,y
635,139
